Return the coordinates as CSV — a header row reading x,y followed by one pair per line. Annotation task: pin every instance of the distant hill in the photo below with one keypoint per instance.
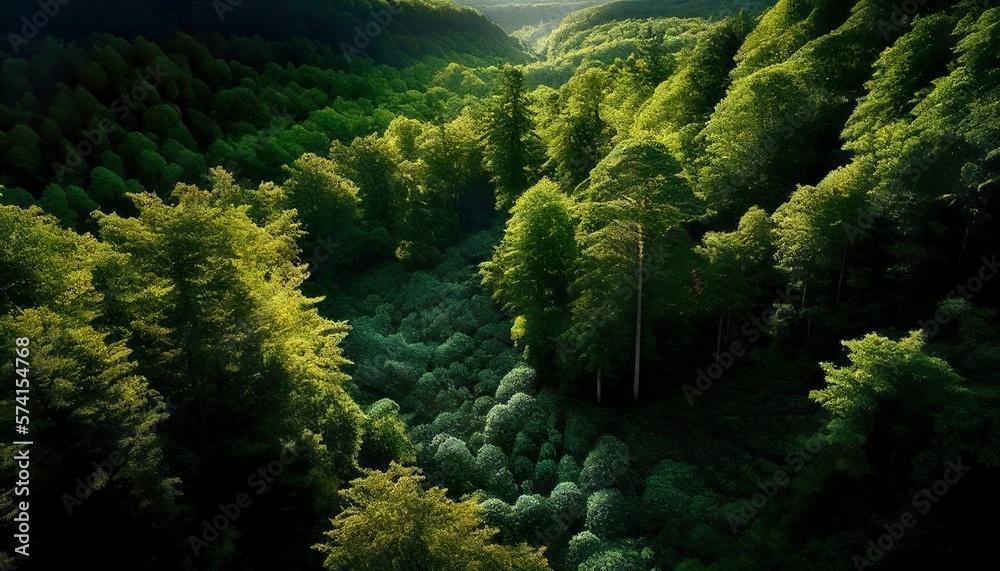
x,y
514,15
410,28
583,21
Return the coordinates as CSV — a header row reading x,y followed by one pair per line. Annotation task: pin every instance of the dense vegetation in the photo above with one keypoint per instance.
x,y
685,291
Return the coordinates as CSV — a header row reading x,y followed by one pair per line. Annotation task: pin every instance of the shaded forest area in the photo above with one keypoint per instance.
x,y
367,285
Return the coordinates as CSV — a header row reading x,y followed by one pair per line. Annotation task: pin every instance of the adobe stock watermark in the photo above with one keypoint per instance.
x,y
795,460
320,254
365,35
902,14
230,512
753,329
223,7
122,107
922,501
33,25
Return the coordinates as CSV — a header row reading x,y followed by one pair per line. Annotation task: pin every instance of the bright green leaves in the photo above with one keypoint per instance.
x,y
631,229
392,522
893,396
747,251
531,269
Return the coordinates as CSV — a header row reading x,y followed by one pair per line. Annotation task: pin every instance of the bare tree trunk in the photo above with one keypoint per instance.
x,y
840,280
638,324
798,318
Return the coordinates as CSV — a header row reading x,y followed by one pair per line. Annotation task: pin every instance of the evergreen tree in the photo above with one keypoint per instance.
x,y
512,147
531,269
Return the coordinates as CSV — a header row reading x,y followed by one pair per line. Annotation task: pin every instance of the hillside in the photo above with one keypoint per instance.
x,y
411,27
692,288
583,22
515,15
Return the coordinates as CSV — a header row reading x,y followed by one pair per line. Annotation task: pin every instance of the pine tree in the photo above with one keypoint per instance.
x,y
512,147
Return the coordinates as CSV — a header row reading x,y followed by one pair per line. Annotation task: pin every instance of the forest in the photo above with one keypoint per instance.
x,y
404,285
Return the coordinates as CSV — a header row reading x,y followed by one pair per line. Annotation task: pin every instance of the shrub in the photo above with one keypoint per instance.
x,y
567,504
546,475
606,464
489,460
531,514
619,558
569,470
519,380
498,514
522,468
502,485
456,463
581,547
607,513
504,421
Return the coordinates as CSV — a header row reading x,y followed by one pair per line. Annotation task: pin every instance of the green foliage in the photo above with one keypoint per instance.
x,y
614,559
634,197
835,153
748,251
106,188
676,500
581,547
607,513
457,463
521,379
392,521
512,146
505,421
531,269
324,200
605,466
385,438
680,106
892,395
227,333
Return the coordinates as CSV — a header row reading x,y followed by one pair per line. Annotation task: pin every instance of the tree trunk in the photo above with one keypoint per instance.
x,y
840,280
638,324
798,318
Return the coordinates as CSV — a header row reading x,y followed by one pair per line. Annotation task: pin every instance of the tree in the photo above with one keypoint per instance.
x,y
220,324
630,212
747,252
580,136
92,408
680,106
898,413
605,466
512,147
326,202
531,269
391,522
369,163
106,188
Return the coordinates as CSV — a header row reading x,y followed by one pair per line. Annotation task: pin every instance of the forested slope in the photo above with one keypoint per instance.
x,y
689,293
